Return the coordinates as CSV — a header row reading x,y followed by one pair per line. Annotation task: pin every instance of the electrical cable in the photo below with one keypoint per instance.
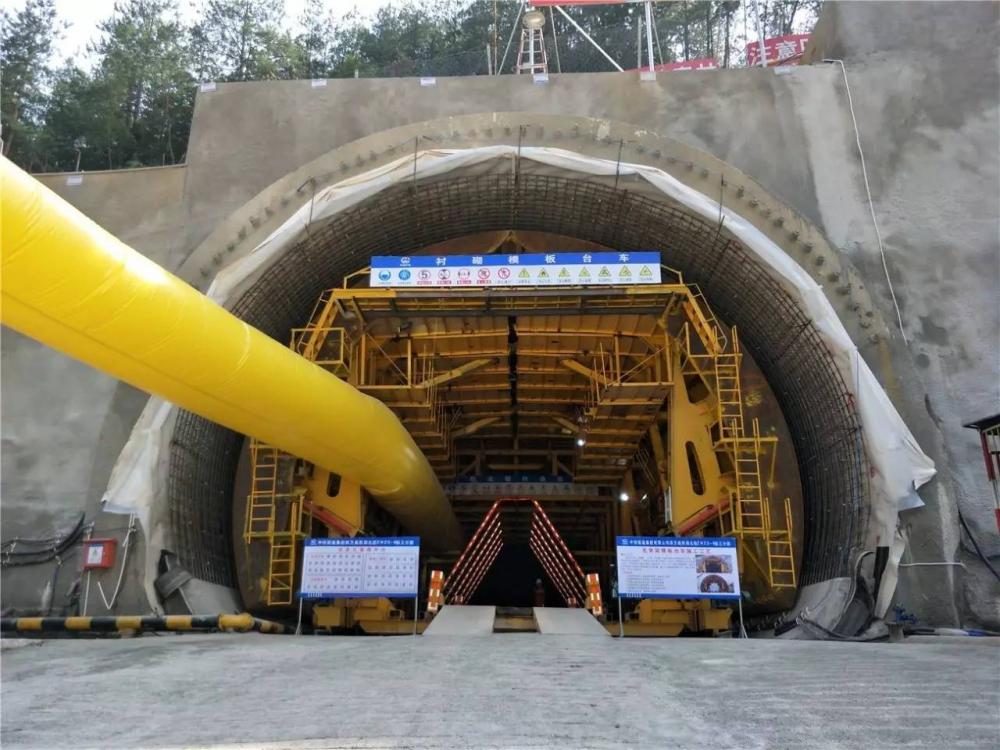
x,y
833,634
975,544
871,203
43,540
52,585
121,573
12,558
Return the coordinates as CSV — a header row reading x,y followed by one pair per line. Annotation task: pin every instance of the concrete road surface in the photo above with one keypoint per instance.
x,y
498,691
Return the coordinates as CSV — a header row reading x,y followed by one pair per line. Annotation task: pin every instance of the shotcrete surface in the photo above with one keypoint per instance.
x,y
498,691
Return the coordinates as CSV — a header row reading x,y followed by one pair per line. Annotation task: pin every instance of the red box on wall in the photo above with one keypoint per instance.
x,y
99,553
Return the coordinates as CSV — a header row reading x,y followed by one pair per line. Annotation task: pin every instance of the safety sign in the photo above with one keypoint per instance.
x,y
662,567
360,567
541,269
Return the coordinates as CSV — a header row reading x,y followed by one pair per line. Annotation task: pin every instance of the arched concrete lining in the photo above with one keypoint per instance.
x,y
799,238
621,215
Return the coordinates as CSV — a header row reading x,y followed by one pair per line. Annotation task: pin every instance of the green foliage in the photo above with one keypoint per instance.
x,y
241,40
143,75
25,56
134,106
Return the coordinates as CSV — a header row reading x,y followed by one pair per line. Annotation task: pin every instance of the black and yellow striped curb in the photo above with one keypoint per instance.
x,y
243,623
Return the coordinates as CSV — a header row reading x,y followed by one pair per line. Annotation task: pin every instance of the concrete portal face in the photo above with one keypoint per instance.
x,y
778,147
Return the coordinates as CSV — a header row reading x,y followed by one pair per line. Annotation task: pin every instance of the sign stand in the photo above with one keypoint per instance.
x,y
743,630
661,567
360,568
621,622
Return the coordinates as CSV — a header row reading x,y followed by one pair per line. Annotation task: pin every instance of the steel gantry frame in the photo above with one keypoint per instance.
x,y
561,380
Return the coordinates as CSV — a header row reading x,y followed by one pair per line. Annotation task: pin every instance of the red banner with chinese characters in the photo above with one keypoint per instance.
x,y
704,63
780,50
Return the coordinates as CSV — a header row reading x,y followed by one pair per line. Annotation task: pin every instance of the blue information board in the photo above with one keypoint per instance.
x,y
663,567
530,269
360,567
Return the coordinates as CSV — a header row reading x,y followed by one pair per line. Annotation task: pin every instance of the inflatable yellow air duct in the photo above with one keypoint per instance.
x,y
73,286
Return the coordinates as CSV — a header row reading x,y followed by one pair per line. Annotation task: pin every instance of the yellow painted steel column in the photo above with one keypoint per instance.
x,y
73,286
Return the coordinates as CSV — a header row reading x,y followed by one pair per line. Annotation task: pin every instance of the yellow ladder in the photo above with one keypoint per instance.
x,y
780,553
705,321
260,513
316,331
275,515
728,394
281,561
750,497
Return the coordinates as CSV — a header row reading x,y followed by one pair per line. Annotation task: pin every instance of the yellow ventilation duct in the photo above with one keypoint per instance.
x,y
73,286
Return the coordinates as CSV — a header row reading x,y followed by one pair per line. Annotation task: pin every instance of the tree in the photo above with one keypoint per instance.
x,y
316,39
241,40
143,70
26,39
727,10
134,107
83,111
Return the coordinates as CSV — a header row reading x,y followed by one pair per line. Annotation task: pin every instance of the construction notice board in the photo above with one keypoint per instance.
x,y
541,269
664,567
360,567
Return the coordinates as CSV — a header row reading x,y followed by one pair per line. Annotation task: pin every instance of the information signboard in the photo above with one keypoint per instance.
x,y
360,567
663,567
541,269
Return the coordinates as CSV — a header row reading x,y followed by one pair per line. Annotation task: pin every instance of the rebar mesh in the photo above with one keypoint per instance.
x,y
401,220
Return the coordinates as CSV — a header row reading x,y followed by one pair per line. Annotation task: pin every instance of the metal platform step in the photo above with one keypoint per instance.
x,y
462,620
568,621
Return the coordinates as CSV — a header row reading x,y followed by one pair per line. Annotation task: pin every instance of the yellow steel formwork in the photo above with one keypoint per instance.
x,y
745,510
619,370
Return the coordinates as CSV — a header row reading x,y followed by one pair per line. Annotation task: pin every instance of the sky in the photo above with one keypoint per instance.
x,y
84,15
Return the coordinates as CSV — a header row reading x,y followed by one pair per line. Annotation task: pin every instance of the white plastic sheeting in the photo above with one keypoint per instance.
x,y
138,482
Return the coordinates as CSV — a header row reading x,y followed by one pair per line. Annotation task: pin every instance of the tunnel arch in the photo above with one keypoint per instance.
x,y
404,218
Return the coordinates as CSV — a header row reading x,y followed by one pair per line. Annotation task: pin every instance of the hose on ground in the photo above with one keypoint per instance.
x,y
975,544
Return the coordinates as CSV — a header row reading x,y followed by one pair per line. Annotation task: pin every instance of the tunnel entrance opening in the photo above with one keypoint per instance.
x,y
620,409
513,581
776,335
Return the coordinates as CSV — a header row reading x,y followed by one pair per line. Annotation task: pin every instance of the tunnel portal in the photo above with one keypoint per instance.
x,y
508,365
